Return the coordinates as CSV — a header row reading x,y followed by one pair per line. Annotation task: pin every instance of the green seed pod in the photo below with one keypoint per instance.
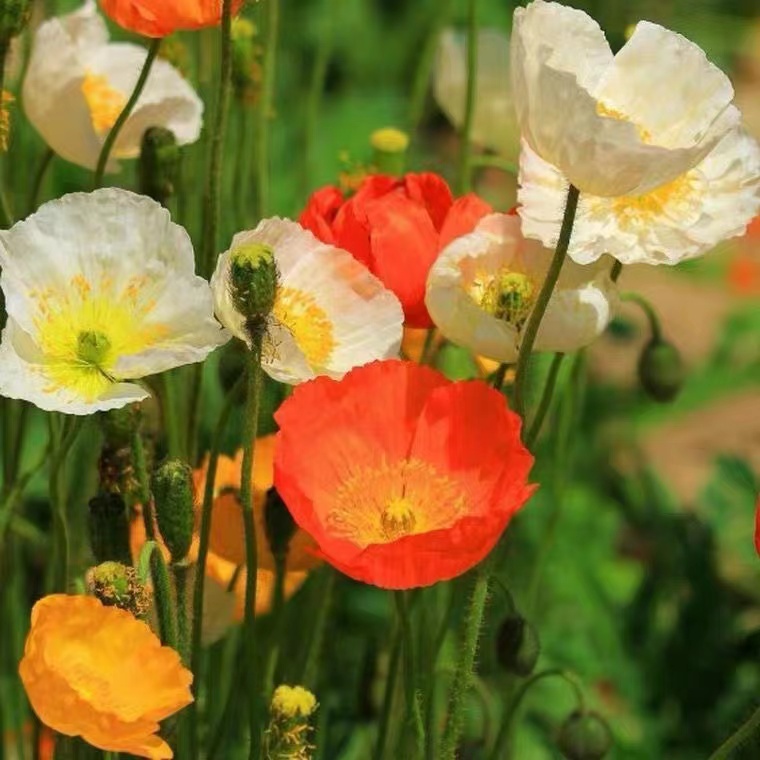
x,y
278,524
517,645
14,16
253,283
661,370
117,585
109,529
159,164
174,497
584,736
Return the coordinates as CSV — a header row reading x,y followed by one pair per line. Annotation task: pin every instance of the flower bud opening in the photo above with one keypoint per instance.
x,y
117,585
253,282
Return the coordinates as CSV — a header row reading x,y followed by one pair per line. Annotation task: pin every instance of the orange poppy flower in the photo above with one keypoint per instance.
x,y
402,477
157,18
99,673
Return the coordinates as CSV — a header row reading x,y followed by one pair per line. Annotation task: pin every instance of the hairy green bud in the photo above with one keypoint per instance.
x,y
253,283
159,164
584,736
517,645
174,497
661,370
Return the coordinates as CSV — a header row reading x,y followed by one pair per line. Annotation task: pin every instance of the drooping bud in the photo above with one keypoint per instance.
x,y
584,736
174,497
118,585
517,645
253,283
389,147
278,524
159,164
661,370
288,733
109,528
246,64
14,16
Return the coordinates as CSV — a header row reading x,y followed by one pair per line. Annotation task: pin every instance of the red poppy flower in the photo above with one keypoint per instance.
x,y
397,228
402,477
157,18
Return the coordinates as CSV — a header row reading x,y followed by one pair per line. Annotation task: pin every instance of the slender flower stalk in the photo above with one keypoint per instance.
x,y
390,693
469,109
546,399
265,107
39,179
413,713
743,734
463,673
534,322
110,140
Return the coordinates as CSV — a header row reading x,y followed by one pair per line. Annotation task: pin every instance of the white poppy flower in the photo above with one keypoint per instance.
x,y
78,82
494,123
100,290
482,289
330,314
615,124
681,220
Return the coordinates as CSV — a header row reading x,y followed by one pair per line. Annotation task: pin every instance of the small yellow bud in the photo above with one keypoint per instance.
x,y
293,702
389,140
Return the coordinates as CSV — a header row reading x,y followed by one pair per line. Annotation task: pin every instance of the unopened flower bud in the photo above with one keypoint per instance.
x,y
118,585
661,370
109,528
14,15
253,282
287,736
159,164
174,497
389,146
278,524
584,736
517,645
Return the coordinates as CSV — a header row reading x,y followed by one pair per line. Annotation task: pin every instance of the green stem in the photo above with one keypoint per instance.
x,y
534,321
469,108
546,400
203,548
499,375
463,672
740,737
648,309
500,745
413,713
152,560
388,698
278,606
212,200
264,112
324,593
110,140
495,162
39,178
251,418
180,572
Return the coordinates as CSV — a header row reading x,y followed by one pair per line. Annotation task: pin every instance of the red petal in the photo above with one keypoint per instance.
x,y
466,212
320,212
432,192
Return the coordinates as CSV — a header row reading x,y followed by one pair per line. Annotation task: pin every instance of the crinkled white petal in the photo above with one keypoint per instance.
x,y
55,103
122,246
365,319
602,141
494,122
711,203
583,303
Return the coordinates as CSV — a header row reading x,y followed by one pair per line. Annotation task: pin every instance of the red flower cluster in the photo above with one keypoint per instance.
x,y
396,228
390,472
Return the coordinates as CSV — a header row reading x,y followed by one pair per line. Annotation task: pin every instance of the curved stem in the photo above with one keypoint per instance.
x,y
500,745
317,637
265,107
203,547
469,107
253,380
110,140
39,178
463,673
741,736
546,400
534,321
212,201
648,309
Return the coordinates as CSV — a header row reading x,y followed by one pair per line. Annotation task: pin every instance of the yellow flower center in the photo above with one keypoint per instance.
x,y
506,295
308,322
378,505
104,102
635,209
83,331
612,113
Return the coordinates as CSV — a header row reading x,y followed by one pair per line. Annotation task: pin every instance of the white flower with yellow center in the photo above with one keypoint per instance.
x,y
78,82
615,124
100,291
494,124
681,220
331,313
483,287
